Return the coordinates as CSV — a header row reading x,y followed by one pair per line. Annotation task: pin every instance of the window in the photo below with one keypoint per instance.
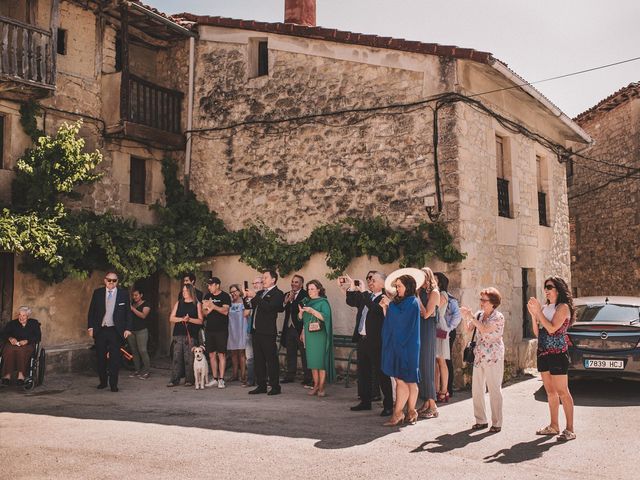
x,y
542,195
62,42
263,59
258,57
502,172
137,180
2,165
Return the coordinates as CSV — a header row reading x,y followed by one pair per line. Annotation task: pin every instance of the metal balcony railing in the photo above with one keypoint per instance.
x,y
503,198
542,209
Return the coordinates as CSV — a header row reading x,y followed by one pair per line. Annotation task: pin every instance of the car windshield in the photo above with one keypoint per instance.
x,y
607,313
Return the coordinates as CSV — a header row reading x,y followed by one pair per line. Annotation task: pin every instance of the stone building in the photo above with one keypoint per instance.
x,y
297,125
269,145
123,70
604,198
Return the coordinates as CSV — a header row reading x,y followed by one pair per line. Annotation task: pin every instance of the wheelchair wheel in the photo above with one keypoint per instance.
x,y
29,383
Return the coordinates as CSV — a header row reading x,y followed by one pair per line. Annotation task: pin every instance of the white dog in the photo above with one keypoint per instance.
x,y
200,367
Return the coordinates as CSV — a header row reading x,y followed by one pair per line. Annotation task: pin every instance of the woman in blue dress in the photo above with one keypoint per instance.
x,y
401,348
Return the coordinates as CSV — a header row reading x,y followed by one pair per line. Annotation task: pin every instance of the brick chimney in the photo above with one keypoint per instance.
x,y
301,12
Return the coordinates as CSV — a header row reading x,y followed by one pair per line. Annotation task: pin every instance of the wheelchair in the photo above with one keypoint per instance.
x,y
34,376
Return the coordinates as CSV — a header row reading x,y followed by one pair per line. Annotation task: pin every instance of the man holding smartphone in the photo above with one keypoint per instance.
x,y
368,335
291,331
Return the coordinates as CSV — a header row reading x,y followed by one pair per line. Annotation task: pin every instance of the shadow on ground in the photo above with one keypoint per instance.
x,y
293,414
605,392
452,441
523,451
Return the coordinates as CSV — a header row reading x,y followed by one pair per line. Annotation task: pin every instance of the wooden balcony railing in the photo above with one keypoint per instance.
x,y
26,53
153,105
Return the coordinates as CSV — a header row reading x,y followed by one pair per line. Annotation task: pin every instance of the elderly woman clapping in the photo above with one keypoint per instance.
x,y
488,366
22,334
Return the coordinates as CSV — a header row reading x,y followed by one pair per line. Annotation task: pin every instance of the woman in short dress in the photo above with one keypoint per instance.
x,y
429,296
237,340
550,324
443,348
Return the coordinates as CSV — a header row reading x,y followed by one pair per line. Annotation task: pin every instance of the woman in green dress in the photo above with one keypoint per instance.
x,y
318,337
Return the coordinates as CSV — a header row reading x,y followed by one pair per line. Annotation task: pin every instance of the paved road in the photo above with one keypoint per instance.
x,y
68,429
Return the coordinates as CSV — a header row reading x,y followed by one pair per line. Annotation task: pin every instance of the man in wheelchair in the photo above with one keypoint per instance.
x,y
22,336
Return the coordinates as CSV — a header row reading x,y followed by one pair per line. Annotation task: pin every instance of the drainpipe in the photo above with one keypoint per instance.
x,y
187,155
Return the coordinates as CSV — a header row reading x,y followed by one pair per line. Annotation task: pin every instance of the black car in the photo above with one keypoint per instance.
x,y
605,340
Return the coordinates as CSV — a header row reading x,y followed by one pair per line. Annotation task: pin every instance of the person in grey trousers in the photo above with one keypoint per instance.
x,y
139,337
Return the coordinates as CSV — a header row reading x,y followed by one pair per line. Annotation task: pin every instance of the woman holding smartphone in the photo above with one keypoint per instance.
x,y
550,324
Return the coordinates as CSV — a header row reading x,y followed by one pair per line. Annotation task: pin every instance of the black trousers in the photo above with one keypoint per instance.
x,y
108,340
265,360
452,339
370,365
294,345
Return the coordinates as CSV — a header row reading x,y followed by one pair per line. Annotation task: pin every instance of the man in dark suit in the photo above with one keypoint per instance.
x,y
266,307
291,331
368,333
109,323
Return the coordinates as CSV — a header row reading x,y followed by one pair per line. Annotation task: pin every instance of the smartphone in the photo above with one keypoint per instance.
x,y
342,280
246,285
356,283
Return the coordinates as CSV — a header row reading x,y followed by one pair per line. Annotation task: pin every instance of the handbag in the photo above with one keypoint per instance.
x,y
441,333
315,326
468,355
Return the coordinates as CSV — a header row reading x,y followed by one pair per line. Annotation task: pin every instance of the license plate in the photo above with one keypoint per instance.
x,y
606,364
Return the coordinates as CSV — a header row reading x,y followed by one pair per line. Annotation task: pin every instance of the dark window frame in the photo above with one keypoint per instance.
x,y
61,47
137,180
263,58
2,124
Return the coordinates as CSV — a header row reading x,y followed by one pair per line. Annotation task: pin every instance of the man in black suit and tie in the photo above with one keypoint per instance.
x,y
109,323
368,334
266,307
291,331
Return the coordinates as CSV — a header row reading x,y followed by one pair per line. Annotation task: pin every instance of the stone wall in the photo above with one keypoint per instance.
x,y
499,248
606,221
302,174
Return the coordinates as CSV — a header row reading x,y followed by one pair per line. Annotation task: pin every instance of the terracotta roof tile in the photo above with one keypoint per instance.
x,y
339,36
612,101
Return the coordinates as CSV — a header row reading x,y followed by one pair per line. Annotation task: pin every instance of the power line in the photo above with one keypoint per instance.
x,y
557,77
601,186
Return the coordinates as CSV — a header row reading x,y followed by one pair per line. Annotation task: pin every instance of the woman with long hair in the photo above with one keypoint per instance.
x,y
237,340
317,335
443,352
429,297
401,348
187,319
550,323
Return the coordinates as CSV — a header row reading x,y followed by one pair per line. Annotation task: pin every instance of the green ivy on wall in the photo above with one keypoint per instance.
x,y
62,244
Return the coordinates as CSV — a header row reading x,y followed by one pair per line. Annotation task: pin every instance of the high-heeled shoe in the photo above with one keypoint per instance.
x,y
443,397
412,418
394,421
322,393
313,391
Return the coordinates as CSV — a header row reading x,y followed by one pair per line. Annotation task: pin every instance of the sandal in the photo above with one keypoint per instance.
x,y
566,435
479,426
548,430
495,429
429,413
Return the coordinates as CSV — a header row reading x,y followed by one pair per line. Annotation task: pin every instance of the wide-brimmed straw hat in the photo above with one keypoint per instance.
x,y
417,274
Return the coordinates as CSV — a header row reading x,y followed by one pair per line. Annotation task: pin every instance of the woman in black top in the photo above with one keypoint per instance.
x,y
187,319
139,335
22,334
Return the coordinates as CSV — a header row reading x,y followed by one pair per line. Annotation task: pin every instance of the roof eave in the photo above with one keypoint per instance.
x,y
524,85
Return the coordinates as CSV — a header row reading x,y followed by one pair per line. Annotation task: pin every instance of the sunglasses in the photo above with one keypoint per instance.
x,y
234,291
111,280
549,287
369,277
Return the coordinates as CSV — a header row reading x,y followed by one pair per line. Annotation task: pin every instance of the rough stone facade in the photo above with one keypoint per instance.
x,y
605,208
81,92
294,176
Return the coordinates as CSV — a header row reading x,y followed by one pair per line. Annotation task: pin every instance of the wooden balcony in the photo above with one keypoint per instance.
x,y
27,58
146,111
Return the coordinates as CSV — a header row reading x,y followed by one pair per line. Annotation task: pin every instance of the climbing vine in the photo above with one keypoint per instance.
x,y
57,244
